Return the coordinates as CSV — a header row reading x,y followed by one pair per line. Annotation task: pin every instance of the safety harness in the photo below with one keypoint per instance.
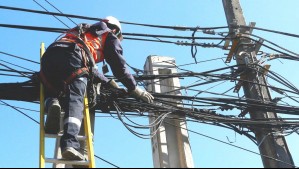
x,y
92,52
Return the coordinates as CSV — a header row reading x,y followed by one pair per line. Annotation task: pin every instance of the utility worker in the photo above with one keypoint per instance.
x,y
68,67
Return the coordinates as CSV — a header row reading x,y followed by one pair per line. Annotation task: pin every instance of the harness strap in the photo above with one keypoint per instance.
x,y
85,50
77,73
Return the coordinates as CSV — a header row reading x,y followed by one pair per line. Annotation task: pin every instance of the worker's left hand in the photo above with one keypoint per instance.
x,y
113,84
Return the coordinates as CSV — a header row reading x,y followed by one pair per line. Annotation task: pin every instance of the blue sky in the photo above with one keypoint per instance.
x,y
20,136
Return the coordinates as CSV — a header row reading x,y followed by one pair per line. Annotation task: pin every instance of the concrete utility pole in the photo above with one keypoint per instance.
x,y
245,52
170,146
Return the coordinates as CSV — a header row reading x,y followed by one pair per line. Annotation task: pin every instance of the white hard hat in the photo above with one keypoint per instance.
x,y
115,22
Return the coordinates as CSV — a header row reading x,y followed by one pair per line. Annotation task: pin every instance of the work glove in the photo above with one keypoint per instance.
x,y
142,95
113,84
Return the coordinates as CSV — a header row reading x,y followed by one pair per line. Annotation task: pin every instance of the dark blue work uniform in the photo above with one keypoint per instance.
x,y
63,58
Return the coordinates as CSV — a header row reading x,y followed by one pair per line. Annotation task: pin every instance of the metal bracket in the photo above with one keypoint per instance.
x,y
258,45
231,32
233,49
235,42
238,87
239,84
251,25
226,44
266,70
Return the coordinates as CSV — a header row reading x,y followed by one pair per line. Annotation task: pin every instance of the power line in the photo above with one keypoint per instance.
x,y
232,145
23,74
148,25
19,111
228,143
176,37
35,28
21,108
279,79
180,43
60,11
16,65
49,13
60,30
103,159
180,28
268,30
52,15
19,57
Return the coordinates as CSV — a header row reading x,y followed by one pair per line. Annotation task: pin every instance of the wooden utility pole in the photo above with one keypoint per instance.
x,y
170,146
245,51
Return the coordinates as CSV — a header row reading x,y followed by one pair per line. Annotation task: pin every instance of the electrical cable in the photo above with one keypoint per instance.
x,y
19,111
19,57
22,74
238,103
17,66
52,15
233,145
268,30
60,11
102,159
180,28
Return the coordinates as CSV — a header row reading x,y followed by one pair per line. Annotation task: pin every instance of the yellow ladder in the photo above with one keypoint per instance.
x,y
88,134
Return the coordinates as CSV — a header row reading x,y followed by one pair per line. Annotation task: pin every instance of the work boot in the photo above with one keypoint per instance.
x,y
53,111
70,153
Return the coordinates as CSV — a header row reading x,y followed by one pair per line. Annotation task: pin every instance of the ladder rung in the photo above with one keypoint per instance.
x,y
68,162
60,135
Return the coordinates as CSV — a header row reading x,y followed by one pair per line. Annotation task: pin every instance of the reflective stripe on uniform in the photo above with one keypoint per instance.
x,y
73,120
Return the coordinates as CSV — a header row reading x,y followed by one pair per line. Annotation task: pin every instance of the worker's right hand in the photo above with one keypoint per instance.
x,y
142,95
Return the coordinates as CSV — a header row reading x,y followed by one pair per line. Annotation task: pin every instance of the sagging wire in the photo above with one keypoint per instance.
x,y
276,50
229,126
278,78
155,126
219,118
193,47
206,91
191,131
229,103
234,79
224,77
190,119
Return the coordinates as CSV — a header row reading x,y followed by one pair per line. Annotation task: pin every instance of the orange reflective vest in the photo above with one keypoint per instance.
x,y
94,43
